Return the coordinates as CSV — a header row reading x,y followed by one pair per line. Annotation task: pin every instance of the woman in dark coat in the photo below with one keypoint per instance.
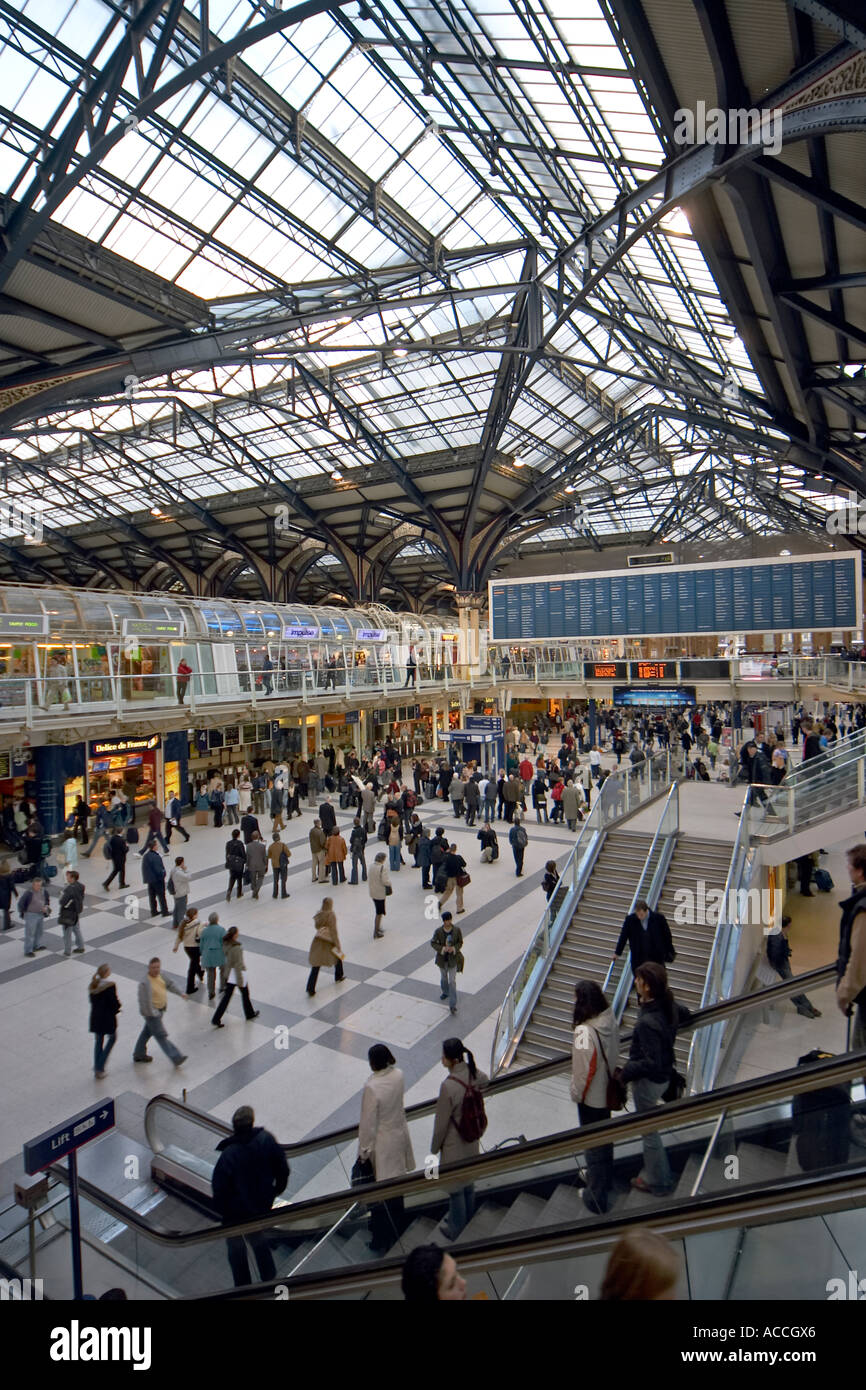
x,y
104,1008
8,891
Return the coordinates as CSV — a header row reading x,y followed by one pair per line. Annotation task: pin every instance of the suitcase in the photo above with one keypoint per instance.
x,y
345,799
821,1121
823,881
132,836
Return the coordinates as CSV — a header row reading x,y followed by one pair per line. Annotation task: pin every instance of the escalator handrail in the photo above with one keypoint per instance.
x,y
798,1197
742,1095
524,1076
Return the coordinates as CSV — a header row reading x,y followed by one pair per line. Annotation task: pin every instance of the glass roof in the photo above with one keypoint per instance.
x,y
330,170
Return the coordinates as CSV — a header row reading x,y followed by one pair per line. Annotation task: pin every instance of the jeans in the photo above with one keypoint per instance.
x,y
394,858
461,1208
799,1000
232,817
656,1168
194,969
599,1162
101,833
155,1028
540,810
489,811
280,880
102,1045
68,932
7,919
210,974
151,836
358,859
225,999
156,897
240,1265
179,910
33,924
448,981
518,851
338,873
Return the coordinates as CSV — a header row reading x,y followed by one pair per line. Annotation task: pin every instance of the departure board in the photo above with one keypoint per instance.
x,y
792,593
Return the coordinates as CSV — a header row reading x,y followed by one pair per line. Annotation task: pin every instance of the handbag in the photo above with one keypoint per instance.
x,y
362,1172
616,1091
462,880
676,1086
388,890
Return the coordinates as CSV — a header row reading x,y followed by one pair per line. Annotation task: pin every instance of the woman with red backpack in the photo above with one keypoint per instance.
x,y
458,1126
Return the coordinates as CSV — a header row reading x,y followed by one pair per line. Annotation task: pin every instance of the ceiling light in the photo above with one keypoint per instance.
x,y
336,477
519,463
784,552
569,487
400,352
154,511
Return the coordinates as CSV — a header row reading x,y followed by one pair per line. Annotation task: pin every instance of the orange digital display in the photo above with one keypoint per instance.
x,y
604,672
652,670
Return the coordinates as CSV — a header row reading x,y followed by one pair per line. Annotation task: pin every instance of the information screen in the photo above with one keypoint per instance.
x,y
654,695
796,593
605,670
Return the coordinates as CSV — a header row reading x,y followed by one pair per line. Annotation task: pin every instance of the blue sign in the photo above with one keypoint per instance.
x,y
798,593
484,723
353,716
64,1139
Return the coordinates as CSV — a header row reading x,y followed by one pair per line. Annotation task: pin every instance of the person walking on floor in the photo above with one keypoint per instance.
x,y
447,942
593,1057
257,862
650,1066
357,847
518,839
211,954
569,803
69,913
539,797
249,1175
178,886
327,816
383,1141
395,840
779,956
33,907
551,878
471,800
188,935
279,855
8,891
101,828
325,950
235,975
233,800
153,874
379,888
648,936
117,852
104,1008
456,793
277,822
318,843
423,855
154,829
173,813
335,857
455,1121
153,995
236,863
454,872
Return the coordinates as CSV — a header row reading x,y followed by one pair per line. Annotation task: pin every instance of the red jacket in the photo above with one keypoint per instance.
x,y
525,770
183,671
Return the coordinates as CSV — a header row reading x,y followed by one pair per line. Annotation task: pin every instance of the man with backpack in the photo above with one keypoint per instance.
x,y
459,1123
518,839
236,863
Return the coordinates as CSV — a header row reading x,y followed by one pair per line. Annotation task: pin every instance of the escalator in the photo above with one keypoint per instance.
x,y
731,1150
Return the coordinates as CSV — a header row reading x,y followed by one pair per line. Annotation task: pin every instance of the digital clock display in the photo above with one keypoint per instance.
x,y
653,670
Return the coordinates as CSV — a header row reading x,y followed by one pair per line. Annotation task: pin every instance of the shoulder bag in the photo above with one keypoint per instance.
x,y
616,1091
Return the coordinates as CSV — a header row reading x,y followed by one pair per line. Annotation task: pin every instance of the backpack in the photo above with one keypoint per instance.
x,y
384,830
473,1119
521,839
132,836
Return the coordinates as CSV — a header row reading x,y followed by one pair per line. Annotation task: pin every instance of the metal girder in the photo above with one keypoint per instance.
x,y
844,17
59,176
524,330
824,316
813,189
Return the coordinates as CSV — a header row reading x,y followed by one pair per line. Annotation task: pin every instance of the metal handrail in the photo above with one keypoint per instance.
x,y
742,1095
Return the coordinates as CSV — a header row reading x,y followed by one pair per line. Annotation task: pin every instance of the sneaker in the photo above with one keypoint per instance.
x,y
40,948
180,1061
443,996
460,909
217,1025
453,1008
142,1059
99,1075
79,951
31,955
253,1015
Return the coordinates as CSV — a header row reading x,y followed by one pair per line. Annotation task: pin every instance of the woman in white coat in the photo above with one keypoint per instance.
x,y
383,1140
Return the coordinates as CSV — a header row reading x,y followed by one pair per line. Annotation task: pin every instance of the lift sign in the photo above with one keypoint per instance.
x,y
56,1143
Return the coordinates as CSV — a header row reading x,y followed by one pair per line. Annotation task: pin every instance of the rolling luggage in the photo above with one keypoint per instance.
x,y
821,1121
823,881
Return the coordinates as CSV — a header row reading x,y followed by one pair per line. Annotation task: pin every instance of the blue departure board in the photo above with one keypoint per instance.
x,y
814,593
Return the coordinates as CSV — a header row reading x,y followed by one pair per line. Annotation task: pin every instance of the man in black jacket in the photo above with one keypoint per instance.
x,y
648,936
250,1173
248,826
758,771
236,862
779,956
357,845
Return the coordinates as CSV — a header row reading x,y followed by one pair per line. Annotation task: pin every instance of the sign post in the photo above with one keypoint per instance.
x,y
64,1141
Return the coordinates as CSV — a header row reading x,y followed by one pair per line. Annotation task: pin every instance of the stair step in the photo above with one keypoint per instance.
x,y
758,1164
523,1215
484,1223
418,1233
565,1204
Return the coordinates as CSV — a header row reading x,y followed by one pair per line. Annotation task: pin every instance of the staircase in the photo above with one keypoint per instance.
x,y
588,945
693,859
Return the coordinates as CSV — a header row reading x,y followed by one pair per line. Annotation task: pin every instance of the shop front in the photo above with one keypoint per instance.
x,y
213,752
131,765
407,727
